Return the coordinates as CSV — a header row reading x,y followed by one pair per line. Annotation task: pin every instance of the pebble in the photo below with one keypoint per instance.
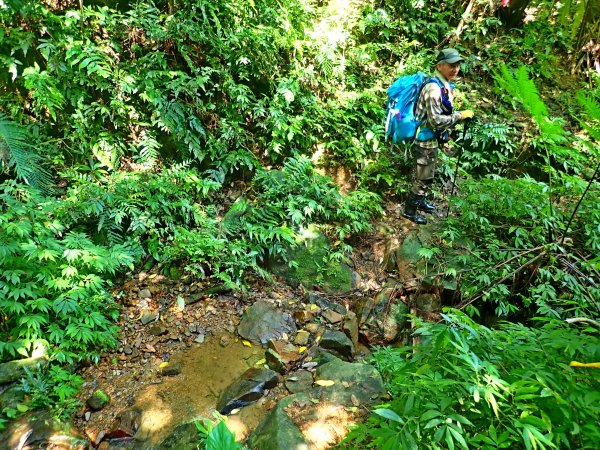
x,y
87,415
199,339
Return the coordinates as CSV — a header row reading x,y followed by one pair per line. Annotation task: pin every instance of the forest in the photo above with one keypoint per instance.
x,y
199,139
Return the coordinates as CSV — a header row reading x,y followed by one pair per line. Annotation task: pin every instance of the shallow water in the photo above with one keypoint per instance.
x,y
206,370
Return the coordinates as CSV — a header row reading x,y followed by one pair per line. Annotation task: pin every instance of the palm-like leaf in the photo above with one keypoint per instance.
x,y
19,156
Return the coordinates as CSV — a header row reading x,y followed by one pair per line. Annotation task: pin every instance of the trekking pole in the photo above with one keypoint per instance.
x,y
460,152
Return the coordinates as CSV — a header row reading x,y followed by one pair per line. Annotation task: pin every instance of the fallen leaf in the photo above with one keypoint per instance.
x,y
325,383
313,307
346,384
302,349
314,400
355,401
163,364
246,343
149,348
260,362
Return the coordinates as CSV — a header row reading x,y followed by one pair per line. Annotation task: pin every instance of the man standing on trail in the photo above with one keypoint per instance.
x,y
434,108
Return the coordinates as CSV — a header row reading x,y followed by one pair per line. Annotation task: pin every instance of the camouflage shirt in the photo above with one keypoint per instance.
x,y
429,109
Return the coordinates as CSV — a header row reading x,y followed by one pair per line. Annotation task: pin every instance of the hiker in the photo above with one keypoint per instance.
x,y
434,108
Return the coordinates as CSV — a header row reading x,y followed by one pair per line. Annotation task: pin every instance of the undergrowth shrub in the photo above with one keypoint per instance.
x,y
282,202
468,386
53,281
141,208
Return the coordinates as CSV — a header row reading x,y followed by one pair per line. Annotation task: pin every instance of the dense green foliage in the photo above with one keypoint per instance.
x,y
189,134
468,386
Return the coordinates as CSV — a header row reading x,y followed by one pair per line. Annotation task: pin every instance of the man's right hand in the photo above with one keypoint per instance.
x,y
467,114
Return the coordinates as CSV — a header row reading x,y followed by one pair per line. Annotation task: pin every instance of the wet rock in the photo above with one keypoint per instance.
x,y
148,315
38,430
302,338
98,400
263,321
350,327
13,370
247,389
125,425
156,330
281,356
332,316
277,431
299,381
170,369
337,343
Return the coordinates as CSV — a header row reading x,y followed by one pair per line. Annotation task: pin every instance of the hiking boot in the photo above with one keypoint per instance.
x,y
410,209
424,205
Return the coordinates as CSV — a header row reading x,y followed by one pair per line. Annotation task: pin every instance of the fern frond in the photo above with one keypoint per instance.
x,y
18,155
148,148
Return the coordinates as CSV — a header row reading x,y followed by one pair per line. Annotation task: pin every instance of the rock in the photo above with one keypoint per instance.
x,y
429,302
337,343
350,327
385,314
11,397
194,298
94,434
263,321
184,437
199,339
350,379
170,370
302,338
277,431
326,304
145,293
125,425
98,400
156,330
332,316
225,340
309,255
313,328
299,381
13,370
148,316
281,356
247,389
127,350
38,430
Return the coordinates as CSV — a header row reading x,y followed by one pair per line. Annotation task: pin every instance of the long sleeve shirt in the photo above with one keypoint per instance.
x,y
429,110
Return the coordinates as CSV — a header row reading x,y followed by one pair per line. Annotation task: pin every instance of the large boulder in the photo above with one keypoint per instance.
x,y
311,267
384,316
263,321
13,370
339,388
278,431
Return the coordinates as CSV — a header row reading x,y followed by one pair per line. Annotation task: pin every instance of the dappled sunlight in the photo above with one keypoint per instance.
x,y
325,426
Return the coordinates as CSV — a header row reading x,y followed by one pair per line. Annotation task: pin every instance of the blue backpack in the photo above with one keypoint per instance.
x,y
401,124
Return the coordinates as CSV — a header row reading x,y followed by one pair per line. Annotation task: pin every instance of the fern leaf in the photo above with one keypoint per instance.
x,y
18,155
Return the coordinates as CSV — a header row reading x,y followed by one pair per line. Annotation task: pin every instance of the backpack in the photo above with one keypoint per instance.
x,y
401,124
